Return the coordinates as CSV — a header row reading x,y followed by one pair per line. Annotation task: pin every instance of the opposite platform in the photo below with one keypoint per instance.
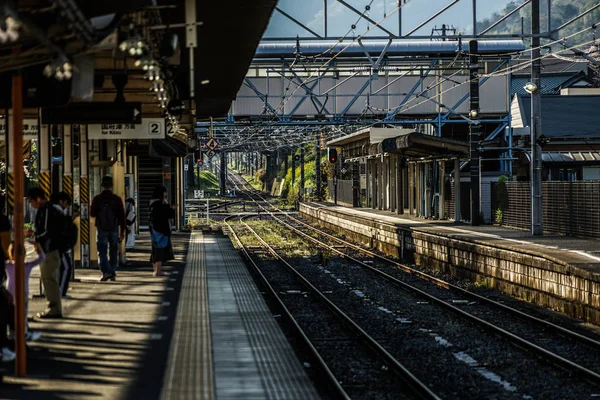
x,y
557,272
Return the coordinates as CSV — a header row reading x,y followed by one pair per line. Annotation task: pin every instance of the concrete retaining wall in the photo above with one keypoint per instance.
x,y
541,280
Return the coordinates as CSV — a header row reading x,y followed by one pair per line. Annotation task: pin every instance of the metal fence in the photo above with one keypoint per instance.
x,y
344,192
569,208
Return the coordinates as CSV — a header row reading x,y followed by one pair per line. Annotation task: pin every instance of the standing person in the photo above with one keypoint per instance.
x,y
34,255
130,217
5,226
6,314
62,201
48,225
109,212
160,229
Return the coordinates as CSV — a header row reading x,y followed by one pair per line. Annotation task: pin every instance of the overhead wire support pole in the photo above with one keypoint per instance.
x,y
537,227
431,18
474,131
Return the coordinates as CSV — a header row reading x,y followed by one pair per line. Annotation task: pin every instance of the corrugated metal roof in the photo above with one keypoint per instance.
x,y
574,116
550,84
570,156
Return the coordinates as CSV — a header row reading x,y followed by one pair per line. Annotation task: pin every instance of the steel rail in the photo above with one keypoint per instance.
x,y
416,385
516,339
329,376
448,285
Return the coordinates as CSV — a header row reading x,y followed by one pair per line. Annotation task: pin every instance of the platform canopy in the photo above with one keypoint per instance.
x,y
54,32
228,33
417,145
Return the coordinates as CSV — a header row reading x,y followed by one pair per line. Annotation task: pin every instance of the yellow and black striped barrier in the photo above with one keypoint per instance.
x,y
10,190
84,235
68,185
44,179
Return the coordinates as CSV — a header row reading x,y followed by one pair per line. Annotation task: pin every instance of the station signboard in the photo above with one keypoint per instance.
x,y
93,113
30,129
150,128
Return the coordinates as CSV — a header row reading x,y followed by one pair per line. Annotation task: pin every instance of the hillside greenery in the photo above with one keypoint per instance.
x,y
561,12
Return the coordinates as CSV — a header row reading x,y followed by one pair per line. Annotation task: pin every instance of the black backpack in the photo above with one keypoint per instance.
x,y
69,234
107,216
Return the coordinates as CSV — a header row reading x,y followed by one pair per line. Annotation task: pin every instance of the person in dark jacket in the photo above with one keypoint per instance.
x,y
47,233
62,200
109,212
160,228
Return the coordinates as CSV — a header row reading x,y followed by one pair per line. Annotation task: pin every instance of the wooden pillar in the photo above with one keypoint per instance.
x,y
385,179
426,190
411,188
400,184
442,213
380,188
418,189
457,216
393,181
16,138
374,183
367,183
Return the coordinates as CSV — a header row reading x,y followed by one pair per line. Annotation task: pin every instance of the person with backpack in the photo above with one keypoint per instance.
x,y
49,233
109,212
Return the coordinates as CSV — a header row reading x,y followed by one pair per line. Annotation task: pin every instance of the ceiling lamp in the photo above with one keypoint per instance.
x,y
9,30
60,69
133,45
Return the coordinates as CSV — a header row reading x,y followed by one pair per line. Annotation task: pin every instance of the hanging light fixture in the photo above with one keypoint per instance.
x,y
9,29
61,69
133,45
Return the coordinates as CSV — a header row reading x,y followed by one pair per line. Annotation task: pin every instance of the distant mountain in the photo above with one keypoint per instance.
x,y
562,11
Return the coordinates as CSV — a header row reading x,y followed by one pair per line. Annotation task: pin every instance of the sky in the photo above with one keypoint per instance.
x,y
341,18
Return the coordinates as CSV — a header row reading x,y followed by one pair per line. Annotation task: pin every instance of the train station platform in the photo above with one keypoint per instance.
x,y
558,272
202,332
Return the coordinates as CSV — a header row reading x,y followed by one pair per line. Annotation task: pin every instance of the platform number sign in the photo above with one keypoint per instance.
x,y
170,129
154,129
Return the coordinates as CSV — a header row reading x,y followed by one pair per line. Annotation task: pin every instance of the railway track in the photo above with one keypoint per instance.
x,y
561,347
368,370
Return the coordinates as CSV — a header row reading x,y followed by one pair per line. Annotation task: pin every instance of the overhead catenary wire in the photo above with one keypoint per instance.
x,y
510,69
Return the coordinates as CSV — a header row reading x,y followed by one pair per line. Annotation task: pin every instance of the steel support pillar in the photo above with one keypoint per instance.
x,y
475,131
223,174
537,227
